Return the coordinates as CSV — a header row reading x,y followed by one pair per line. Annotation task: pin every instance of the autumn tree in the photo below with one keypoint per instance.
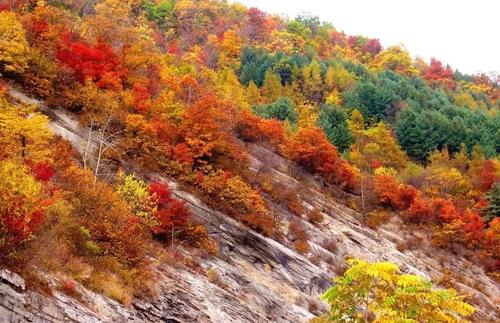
x,y
14,48
376,146
269,133
365,289
171,215
97,62
255,26
24,132
436,74
135,192
271,88
22,205
310,149
396,59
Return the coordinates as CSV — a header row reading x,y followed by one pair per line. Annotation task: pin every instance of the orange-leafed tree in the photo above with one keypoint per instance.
x,y
206,131
386,187
419,211
268,132
473,227
443,209
311,149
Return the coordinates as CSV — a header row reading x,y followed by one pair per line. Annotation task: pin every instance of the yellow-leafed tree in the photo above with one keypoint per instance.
x,y
14,48
380,290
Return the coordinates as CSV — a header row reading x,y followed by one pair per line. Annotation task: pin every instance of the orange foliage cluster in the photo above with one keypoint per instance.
x,y
419,209
311,149
269,133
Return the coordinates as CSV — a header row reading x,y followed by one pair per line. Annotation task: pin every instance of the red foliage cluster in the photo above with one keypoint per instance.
x,y
36,27
171,214
337,38
393,194
372,46
473,226
311,149
140,98
487,176
42,171
98,63
443,209
16,228
5,6
440,210
256,27
436,73
419,211
206,130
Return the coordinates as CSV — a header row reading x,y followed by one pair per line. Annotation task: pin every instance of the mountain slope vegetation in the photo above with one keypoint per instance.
x,y
181,88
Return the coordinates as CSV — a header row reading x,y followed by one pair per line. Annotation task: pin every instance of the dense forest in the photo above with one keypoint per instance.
x,y
179,87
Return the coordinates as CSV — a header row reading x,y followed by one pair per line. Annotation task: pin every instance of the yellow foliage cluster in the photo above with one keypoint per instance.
x,y
14,48
379,288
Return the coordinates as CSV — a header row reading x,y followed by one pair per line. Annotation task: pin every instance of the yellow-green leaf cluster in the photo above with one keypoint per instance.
x,y
381,290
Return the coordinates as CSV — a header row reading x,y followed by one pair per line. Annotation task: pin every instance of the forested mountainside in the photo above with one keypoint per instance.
x,y
203,161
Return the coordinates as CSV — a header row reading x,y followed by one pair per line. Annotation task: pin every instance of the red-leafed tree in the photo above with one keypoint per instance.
x,y
42,171
140,98
171,215
96,62
372,46
437,74
393,194
262,131
487,176
21,205
387,188
255,24
419,211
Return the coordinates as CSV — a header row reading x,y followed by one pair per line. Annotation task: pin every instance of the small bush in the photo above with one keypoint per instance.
x,y
330,245
301,246
69,288
401,246
315,216
215,277
376,218
299,236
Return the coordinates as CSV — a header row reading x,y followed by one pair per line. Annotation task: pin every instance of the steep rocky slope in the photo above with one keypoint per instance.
x,y
260,279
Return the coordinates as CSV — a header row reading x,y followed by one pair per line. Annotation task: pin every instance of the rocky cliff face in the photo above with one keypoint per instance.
x,y
260,279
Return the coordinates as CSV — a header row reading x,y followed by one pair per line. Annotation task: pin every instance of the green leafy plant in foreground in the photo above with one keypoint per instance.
x,y
380,291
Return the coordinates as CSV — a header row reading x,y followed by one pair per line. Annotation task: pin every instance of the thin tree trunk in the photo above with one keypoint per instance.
x,y
85,156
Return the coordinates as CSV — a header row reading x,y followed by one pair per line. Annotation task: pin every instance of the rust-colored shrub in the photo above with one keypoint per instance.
x,y
375,219
315,216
